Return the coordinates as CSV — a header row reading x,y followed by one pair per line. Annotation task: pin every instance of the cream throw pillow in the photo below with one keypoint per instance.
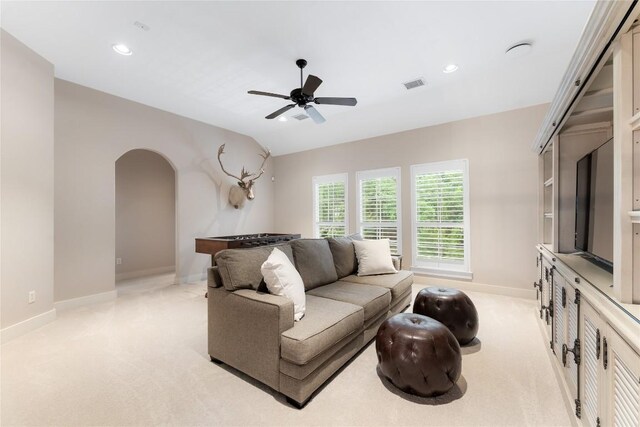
x,y
283,279
374,257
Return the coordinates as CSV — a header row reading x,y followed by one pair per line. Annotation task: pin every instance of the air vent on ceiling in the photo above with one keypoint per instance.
x,y
414,83
300,117
143,27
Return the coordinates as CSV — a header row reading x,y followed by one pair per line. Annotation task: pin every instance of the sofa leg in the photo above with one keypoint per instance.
x,y
296,404
216,361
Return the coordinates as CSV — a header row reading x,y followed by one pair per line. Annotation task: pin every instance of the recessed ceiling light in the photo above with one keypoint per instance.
x,y
519,49
122,49
282,119
450,68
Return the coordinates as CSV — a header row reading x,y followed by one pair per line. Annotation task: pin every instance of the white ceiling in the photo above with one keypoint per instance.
x,y
199,59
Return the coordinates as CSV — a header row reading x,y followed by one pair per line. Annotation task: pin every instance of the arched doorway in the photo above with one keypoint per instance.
x,y
145,219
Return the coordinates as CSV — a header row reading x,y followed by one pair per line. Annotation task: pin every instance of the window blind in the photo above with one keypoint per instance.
x,y
440,212
378,206
440,224
330,206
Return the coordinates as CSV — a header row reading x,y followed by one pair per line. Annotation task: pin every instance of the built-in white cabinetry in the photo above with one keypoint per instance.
x,y
611,374
594,342
591,314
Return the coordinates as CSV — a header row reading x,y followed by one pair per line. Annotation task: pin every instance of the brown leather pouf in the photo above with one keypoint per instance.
x,y
451,307
418,355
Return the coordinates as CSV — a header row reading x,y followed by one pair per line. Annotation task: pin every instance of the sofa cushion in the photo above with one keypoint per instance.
x,y
398,282
344,255
374,257
314,261
283,279
373,299
325,324
240,268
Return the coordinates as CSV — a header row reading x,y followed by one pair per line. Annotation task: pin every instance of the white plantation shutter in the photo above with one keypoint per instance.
x,y
558,315
330,205
625,382
441,216
590,395
572,334
378,206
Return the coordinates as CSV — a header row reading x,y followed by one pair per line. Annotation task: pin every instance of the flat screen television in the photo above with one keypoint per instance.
x,y
594,204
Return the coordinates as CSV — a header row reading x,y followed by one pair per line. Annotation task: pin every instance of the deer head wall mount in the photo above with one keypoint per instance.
x,y
244,190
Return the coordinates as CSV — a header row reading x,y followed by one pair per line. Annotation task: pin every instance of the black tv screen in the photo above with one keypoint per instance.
x,y
594,203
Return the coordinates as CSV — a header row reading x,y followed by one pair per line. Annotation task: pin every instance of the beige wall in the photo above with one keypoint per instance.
x,y
92,130
503,185
26,89
145,214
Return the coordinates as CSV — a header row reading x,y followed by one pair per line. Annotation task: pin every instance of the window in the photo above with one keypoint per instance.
x,y
378,209
330,205
440,217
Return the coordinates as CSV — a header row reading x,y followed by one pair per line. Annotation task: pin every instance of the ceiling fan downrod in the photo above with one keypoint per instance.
x,y
301,63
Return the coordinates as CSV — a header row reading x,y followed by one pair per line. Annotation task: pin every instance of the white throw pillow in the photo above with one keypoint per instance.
x,y
283,279
374,257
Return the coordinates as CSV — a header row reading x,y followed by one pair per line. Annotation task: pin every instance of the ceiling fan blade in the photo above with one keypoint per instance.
x,y
275,95
337,101
314,114
280,111
311,85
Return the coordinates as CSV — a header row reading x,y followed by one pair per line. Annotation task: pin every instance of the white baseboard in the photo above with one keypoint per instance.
x,y
89,299
21,328
479,287
142,273
143,284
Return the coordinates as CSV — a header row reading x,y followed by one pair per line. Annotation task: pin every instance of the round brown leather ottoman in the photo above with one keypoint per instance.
x,y
418,355
451,307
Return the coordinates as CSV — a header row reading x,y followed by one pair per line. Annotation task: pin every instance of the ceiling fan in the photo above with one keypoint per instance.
x,y
303,96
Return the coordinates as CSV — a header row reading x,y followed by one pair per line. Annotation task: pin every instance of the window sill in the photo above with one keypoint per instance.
x,y
445,274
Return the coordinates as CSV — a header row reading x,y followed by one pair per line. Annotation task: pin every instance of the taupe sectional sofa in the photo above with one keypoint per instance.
x,y
254,331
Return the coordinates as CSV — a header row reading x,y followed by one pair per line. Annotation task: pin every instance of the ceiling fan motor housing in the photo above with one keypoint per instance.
x,y
300,98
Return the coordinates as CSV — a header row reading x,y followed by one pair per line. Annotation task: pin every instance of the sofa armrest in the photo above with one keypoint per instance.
x,y
244,330
213,277
397,261
283,306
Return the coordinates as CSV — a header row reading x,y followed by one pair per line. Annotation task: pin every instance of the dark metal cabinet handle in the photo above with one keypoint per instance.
x,y
575,351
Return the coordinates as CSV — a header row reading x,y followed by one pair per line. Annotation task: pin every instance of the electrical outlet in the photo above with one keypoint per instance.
x,y
118,261
32,297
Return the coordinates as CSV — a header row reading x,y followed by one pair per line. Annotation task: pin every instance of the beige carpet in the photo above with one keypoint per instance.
x,y
142,360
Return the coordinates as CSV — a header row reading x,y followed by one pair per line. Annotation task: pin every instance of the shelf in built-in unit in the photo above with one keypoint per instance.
x,y
548,182
635,122
635,216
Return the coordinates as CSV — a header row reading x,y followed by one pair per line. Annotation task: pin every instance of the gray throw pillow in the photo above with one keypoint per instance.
x,y
240,268
344,255
314,262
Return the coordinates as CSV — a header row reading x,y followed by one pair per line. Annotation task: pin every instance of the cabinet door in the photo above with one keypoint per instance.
x,y
545,291
623,378
559,314
591,391
571,348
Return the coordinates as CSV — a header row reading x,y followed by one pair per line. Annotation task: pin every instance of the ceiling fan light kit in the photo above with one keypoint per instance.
x,y
304,95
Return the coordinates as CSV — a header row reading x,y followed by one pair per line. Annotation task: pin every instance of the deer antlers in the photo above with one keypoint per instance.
x,y
244,174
